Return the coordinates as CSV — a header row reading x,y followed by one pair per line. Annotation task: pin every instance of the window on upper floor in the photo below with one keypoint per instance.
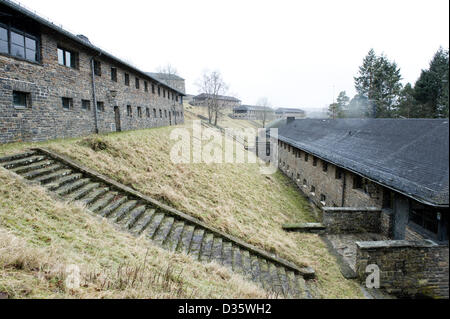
x,y
21,99
67,58
339,173
137,83
129,111
160,113
67,103
18,43
127,79
323,198
357,182
305,182
176,98
85,105
315,160
313,189
97,68
145,86
139,111
154,113
153,88
165,113
164,93
147,112
159,91
324,166
388,198
306,157
114,74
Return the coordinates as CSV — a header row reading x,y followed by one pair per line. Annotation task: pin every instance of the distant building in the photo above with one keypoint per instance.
x,y
172,80
225,101
253,112
283,113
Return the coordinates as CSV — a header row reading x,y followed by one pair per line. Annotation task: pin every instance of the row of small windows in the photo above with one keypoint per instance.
x,y
359,182
18,43
23,100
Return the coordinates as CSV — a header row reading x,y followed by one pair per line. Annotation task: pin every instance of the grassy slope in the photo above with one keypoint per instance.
x,y
235,198
40,237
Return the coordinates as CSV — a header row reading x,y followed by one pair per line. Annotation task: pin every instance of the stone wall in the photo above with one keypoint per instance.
x,y
407,268
47,82
317,183
344,220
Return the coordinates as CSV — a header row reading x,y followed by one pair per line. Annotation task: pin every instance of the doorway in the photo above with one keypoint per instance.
x,y
117,118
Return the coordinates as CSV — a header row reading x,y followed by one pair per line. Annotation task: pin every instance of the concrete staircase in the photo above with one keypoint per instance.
x,y
163,225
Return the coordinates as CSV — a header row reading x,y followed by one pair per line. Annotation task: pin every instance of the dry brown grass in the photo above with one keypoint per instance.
x,y
39,238
234,198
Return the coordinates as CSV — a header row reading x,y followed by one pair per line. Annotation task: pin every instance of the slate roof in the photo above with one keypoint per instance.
x,y
410,156
205,96
165,76
82,40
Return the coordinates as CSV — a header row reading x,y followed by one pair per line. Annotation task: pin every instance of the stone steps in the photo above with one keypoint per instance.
x,y
162,225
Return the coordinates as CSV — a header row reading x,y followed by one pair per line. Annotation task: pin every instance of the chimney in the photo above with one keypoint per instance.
x,y
290,119
84,38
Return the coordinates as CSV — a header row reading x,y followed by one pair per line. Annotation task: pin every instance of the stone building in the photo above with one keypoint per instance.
x,y
283,113
253,112
228,102
54,84
397,165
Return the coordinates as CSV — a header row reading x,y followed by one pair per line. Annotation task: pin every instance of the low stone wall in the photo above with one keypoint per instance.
x,y
407,268
339,220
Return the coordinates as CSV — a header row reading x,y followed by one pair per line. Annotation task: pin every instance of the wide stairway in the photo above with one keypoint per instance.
x,y
163,225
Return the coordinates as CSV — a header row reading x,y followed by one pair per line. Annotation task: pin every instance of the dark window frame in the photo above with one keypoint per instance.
x,y
126,79
67,103
74,63
100,106
113,74
25,95
139,111
153,88
86,105
145,86
129,111
37,49
97,68
147,111
137,83
324,166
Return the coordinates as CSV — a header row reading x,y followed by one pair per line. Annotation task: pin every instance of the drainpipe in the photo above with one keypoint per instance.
x,y
344,185
94,94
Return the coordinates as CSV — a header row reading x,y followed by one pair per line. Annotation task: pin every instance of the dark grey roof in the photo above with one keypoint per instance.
x,y
80,40
288,110
205,96
252,108
406,155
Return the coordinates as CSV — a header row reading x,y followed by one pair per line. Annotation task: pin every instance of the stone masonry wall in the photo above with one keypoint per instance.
x,y
315,182
342,220
407,268
47,82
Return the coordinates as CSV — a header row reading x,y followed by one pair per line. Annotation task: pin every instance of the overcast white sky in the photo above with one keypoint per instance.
x,y
292,52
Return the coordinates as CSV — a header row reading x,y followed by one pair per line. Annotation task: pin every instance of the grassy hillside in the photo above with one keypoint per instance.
x,y
40,238
234,198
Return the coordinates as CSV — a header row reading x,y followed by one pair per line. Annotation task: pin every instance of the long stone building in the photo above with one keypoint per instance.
x,y
253,112
398,165
54,84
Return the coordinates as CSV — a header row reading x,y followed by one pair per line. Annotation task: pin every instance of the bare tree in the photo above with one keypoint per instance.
x,y
213,85
168,72
265,112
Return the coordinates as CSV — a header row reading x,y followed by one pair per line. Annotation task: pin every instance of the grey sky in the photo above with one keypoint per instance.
x,y
293,52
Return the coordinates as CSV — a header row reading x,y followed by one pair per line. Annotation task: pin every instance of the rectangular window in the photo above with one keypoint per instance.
x,y
357,182
139,111
67,58
97,68
323,198
21,99
160,113
305,182
147,112
324,166
86,105
129,111
67,103
145,86
165,113
315,160
164,93
137,83
114,74
18,44
388,198
127,79
176,98
101,106
313,189
339,173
